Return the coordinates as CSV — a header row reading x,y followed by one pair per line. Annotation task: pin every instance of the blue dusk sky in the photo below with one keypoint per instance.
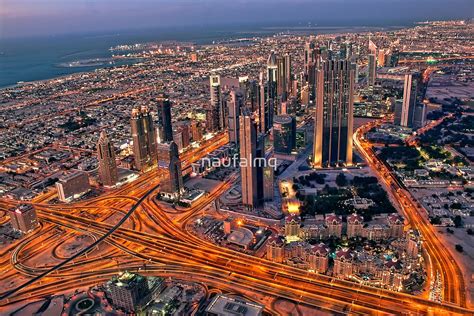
x,y
20,18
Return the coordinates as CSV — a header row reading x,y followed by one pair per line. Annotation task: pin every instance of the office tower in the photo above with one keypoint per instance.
x,y
372,47
72,185
397,118
235,104
410,91
309,58
258,165
129,291
284,134
268,179
381,58
248,152
419,115
168,160
346,50
371,70
283,77
144,138
106,156
196,131
181,134
251,95
265,111
165,129
215,110
272,76
334,114
23,218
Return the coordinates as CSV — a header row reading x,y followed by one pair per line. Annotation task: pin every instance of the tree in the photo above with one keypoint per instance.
x,y
341,180
457,221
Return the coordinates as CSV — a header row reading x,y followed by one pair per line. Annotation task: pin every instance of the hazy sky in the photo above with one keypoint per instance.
x,y
50,17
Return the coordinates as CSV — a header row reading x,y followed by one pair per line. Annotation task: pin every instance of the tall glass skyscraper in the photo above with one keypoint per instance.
x,y
334,114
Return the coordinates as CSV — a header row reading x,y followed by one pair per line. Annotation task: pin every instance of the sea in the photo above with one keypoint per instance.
x,y
39,58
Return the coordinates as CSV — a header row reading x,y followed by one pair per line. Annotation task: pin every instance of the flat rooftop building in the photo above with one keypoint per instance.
x,y
223,305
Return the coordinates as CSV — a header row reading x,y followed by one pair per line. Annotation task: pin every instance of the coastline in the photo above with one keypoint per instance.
x,y
50,69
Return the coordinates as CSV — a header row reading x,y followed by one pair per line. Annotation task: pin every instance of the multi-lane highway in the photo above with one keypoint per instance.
x,y
439,257
147,237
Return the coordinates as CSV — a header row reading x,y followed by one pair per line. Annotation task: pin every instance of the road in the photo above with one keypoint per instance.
x,y
440,258
149,237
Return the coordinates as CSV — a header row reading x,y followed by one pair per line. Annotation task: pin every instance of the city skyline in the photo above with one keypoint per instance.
x,y
322,172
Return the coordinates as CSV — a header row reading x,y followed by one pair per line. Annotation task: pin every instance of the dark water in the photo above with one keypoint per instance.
x,y
29,59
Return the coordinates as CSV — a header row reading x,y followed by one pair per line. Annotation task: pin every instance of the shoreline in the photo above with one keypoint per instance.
x,y
262,32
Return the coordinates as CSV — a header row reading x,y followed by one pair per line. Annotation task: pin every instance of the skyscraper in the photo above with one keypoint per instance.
x,y
144,138
272,76
309,58
419,117
165,129
410,89
371,70
215,110
168,160
284,134
106,156
248,152
235,104
334,114
265,106
283,77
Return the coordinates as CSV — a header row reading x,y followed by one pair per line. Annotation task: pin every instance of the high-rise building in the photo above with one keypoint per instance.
x,y
334,114
165,129
419,116
144,138
405,115
371,70
309,58
235,104
72,185
250,90
182,134
129,291
283,77
272,76
108,174
268,179
23,218
168,161
248,153
215,112
284,134
265,107
196,131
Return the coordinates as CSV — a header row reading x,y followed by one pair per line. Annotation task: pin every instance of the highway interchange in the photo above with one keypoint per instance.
x,y
148,239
